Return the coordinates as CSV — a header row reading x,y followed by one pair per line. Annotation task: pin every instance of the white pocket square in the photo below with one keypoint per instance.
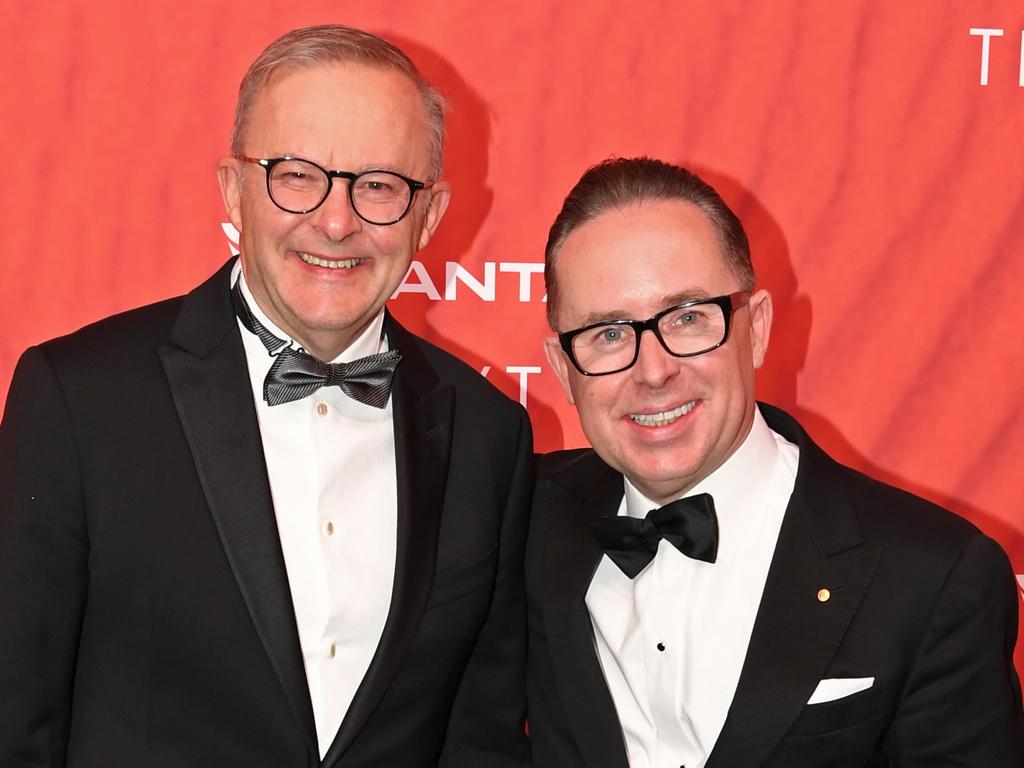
x,y
834,688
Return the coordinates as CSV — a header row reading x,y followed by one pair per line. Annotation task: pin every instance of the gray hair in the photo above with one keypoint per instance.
x,y
335,44
621,182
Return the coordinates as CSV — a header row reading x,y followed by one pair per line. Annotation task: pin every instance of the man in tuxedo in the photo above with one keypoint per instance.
x,y
706,587
263,525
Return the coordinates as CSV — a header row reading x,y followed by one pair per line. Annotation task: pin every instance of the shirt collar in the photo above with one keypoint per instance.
x,y
369,342
737,487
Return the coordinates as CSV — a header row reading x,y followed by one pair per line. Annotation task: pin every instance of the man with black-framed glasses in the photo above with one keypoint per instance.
x,y
263,525
706,587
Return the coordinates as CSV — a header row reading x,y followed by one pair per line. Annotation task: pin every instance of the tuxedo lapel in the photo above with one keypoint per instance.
x,y
573,499
798,628
208,378
423,415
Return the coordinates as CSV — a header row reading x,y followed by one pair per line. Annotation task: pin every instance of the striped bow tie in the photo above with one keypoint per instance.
x,y
295,373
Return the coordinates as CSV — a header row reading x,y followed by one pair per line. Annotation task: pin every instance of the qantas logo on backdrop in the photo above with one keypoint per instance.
x,y
1020,583
523,280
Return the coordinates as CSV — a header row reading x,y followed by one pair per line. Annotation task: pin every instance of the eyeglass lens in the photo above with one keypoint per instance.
x,y
377,196
684,331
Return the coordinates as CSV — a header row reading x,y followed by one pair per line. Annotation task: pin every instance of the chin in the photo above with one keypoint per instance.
x,y
328,315
667,480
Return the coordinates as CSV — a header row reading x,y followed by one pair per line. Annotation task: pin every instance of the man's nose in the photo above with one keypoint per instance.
x,y
336,217
654,365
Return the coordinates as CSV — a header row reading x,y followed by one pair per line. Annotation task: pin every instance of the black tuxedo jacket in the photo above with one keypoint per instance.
x,y
920,600
145,613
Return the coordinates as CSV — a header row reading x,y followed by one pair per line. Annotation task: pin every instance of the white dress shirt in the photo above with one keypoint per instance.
x,y
331,465
672,641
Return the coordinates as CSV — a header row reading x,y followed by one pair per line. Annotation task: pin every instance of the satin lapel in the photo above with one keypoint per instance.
x,y
208,378
573,501
423,416
796,634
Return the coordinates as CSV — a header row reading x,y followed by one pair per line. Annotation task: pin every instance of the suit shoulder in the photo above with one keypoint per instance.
x,y
467,381
923,542
920,534
99,367
884,513
885,506
127,330
556,462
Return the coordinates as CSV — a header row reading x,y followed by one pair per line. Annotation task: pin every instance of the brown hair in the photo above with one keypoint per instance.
x,y
334,44
621,182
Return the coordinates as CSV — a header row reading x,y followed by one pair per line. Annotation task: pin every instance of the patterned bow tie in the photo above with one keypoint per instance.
x,y
295,373
688,524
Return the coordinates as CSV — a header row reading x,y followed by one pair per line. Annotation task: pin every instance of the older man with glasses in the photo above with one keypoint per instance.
x,y
263,524
706,587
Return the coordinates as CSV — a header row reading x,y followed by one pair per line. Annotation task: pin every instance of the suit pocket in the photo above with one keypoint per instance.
x,y
836,715
452,583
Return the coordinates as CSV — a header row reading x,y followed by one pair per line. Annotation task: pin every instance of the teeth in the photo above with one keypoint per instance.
x,y
663,418
346,264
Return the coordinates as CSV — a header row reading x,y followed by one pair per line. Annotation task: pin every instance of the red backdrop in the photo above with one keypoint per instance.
x,y
873,151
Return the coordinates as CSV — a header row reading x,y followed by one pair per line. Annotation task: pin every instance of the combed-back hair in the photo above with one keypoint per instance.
x,y
630,181
335,44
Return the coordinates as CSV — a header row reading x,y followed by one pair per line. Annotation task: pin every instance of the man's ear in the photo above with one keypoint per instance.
x,y
229,175
760,325
556,359
440,196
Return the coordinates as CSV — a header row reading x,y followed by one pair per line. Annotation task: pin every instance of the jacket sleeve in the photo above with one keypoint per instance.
x,y
962,700
487,725
43,566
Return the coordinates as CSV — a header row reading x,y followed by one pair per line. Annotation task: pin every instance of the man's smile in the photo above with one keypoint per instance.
x,y
329,263
662,418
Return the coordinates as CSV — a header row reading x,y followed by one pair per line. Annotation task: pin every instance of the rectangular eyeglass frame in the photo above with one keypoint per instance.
x,y
728,304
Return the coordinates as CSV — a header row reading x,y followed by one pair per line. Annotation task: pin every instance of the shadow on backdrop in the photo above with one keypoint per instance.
x,y
467,147
791,327
787,355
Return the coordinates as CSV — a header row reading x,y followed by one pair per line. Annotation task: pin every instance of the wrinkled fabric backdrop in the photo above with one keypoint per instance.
x,y
873,151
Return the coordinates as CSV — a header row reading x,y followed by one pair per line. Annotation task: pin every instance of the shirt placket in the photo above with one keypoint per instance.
x,y
322,414
665,654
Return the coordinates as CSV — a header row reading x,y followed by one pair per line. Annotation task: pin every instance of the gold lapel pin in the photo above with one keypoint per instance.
x,y
823,595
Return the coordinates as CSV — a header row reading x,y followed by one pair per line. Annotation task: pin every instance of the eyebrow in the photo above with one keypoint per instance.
x,y
390,167
365,167
672,300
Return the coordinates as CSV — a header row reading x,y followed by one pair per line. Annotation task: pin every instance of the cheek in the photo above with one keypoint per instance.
x,y
731,385
595,400
260,228
723,375
394,244
737,375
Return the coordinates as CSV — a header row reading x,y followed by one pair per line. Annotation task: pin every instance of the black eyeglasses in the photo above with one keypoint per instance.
x,y
301,186
685,330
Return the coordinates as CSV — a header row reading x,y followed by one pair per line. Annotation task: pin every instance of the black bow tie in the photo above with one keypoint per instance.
x,y
295,373
688,524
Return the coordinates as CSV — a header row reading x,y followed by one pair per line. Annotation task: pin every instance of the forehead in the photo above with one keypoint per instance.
x,y
635,261
341,114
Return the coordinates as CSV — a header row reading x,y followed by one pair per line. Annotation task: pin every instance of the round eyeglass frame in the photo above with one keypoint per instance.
x,y
268,163
729,304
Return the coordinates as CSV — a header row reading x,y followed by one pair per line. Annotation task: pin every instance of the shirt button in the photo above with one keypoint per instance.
x,y
328,528
332,650
321,409
661,647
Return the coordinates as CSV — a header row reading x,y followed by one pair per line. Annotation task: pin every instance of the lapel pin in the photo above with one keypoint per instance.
x,y
823,595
